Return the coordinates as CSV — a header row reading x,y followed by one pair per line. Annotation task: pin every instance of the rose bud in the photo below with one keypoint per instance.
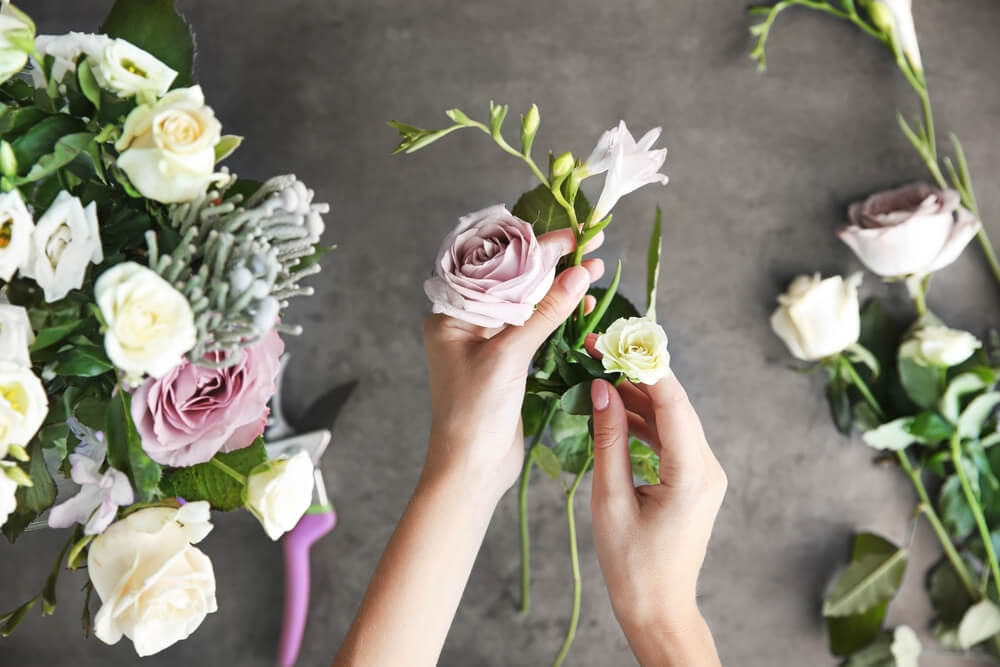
x,y
818,318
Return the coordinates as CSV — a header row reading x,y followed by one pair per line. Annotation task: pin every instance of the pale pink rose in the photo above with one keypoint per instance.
x,y
194,411
491,270
915,229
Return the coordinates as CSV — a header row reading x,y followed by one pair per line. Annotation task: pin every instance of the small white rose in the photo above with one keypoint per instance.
x,y
23,405
65,242
66,50
939,346
8,501
15,334
637,347
150,324
168,149
16,227
17,35
818,318
279,492
155,588
128,70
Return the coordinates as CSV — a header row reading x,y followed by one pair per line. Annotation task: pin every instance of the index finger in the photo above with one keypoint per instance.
x,y
682,438
565,240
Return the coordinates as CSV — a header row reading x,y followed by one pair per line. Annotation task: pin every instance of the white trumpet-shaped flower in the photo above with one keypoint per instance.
x,y
629,164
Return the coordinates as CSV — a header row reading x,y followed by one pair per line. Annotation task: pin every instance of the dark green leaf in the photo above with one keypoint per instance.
x,y
545,388
125,448
65,150
566,426
206,482
31,500
12,619
619,308
922,383
576,400
947,593
52,335
14,120
545,214
83,361
532,413
41,139
546,460
156,27
600,308
645,462
840,404
873,577
88,84
575,453
930,428
955,512
851,633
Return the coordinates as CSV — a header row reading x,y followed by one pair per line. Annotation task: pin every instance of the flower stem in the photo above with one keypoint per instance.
x,y
522,511
574,555
236,475
974,506
862,387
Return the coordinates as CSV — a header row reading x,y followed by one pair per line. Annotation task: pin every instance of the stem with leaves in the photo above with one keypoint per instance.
x,y
574,554
974,506
522,509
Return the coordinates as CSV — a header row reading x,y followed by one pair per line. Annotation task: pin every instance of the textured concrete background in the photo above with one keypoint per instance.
x,y
762,168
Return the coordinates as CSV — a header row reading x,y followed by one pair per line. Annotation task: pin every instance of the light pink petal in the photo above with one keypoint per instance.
x,y
963,231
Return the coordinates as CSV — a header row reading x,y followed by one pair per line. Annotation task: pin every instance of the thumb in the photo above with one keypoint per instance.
x,y
612,467
567,290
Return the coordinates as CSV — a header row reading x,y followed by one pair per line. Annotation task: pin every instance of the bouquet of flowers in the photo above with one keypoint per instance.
x,y
141,289
492,272
924,395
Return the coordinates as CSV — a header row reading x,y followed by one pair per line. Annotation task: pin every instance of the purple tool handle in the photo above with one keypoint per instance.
x,y
297,543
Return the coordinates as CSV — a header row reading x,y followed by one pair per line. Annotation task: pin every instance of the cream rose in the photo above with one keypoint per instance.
x,y
636,347
65,242
128,70
8,499
150,324
15,334
817,318
155,588
939,346
279,492
23,405
17,40
16,227
168,149
913,230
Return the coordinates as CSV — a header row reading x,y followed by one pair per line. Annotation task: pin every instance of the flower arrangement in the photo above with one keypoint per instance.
x,y
141,288
491,272
923,395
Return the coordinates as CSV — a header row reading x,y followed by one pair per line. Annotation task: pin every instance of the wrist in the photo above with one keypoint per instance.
x,y
671,637
456,480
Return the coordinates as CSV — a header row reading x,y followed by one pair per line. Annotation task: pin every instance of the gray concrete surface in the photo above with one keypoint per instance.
x,y
762,168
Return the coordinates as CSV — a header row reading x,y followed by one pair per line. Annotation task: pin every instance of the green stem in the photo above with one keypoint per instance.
x,y
862,387
236,475
974,507
522,511
502,143
574,554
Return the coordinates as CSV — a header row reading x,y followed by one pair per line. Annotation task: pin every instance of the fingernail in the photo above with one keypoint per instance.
x,y
599,395
575,279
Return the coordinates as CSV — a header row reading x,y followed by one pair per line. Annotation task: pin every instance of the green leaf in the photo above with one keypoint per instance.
x,y
922,383
14,120
125,448
566,426
12,619
947,593
42,138
619,307
955,512
532,413
156,27
88,84
206,482
545,214
851,633
970,423
893,436
930,428
858,353
83,361
653,266
51,335
576,400
981,621
31,500
961,385
66,149
546,460
575,453
645,462
868,581
226,146
840,403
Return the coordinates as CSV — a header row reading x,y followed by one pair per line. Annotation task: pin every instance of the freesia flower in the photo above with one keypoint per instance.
x,y
100,495
168,149
817,318
912,230
15,334
895,18
279,492
155,587
16,227
23,405
939,346
65,242
491,270
629,165
128,70
150,324
636,347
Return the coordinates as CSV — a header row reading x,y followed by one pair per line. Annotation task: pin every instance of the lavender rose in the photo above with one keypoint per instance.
x,y
915,229
491,270
194,411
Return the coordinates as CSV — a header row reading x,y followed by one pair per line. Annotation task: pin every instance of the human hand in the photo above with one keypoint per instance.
x,y
651,540
478,377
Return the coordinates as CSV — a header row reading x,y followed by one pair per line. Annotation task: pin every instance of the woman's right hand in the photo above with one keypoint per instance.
x,y
651,540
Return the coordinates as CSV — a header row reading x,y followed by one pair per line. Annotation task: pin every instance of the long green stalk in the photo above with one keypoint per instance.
x,y
574,554
975,508
522,511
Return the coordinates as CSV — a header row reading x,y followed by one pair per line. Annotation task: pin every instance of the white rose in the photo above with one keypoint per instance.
x,y
17,40
8,502
23,405
127,70
66,51
168,149
65,242
155,588
817,318
279,492
15,334
939,346
150,324
637,347
16,227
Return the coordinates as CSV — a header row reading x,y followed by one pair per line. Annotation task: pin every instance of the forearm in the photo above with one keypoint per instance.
x,y
678,642
418,584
